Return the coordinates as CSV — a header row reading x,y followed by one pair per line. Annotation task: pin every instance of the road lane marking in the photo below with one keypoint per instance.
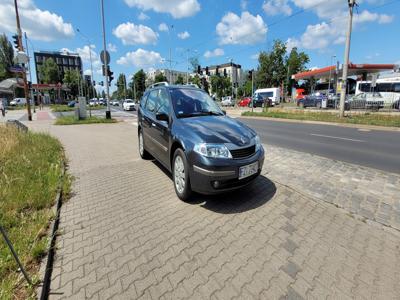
x,y
364,130
337,138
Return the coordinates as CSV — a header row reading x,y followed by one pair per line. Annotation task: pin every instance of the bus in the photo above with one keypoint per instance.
x,y
389,88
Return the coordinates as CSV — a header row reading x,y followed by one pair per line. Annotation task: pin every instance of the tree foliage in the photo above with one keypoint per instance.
x,y
6,57
121,92
139,83
160,77
221,85
72,80
48,72
276,67
179,80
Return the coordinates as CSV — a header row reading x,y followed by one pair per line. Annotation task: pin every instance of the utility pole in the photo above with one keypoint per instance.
x,y
351,3
108,111
134,88
252,90
21,48
30,70
187,66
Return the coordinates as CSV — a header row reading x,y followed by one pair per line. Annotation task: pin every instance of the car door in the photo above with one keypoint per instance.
x,y
147,120
160,129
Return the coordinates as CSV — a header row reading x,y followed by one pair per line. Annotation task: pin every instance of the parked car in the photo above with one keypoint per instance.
x,y
18,102
245,102
188,133
71,103
115,103
227,101
396,104
128,105
373,100
261,100
313,100
92,102
271,93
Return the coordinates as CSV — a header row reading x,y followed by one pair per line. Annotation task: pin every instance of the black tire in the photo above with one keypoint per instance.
x,y
183,192
143,153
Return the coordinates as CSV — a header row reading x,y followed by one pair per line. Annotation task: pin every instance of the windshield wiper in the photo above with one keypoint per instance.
x,y
211,113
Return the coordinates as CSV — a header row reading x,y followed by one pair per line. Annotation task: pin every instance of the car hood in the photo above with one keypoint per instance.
x,y
218,129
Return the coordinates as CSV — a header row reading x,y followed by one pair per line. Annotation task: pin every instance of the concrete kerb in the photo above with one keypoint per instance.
x,y
46,267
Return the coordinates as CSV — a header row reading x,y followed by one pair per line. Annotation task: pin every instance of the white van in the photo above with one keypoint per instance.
x,y
273,93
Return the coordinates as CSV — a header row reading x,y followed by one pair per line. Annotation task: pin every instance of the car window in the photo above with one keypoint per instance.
x,y
152,100
162,105
143,100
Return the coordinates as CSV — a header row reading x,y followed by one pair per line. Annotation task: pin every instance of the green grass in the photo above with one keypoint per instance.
x,y
364,119
71,120
30,169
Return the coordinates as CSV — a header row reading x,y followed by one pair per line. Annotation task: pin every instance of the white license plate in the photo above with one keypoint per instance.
x,y
248,170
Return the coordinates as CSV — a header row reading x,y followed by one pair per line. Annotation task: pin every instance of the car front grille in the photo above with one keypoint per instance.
x,y
243,152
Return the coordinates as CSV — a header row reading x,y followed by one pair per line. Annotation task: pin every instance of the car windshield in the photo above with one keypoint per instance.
x,y
192,102
128,101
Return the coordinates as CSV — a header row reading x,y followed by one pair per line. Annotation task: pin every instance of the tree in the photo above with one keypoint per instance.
x,y
139,83
160,77
295,63
71,80
48,72
221,85
195,80
194,62
121,92
6,57
179,80
272,70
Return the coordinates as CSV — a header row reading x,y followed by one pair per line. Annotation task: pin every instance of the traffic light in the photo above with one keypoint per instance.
x,y
198,69
110,74
103,68
16,41
207,73
101,83
224,72
250,75
94,83
217,71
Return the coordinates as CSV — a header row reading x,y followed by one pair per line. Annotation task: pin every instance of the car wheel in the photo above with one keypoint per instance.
x,y
180,175
142,150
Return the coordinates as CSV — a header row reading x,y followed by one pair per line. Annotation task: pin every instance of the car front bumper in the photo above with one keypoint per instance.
x,y
205,172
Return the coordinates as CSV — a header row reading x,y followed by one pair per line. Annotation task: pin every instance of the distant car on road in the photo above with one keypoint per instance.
x,y
18,102
71,103
245,102
373,100
188,133
261,100
271,93
115,103
128,104
227,101
92,102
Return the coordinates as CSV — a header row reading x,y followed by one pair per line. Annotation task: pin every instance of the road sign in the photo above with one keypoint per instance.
x,y
373,81
107,61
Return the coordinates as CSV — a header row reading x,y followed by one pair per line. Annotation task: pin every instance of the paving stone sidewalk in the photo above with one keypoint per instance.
x,y
125,235
372,194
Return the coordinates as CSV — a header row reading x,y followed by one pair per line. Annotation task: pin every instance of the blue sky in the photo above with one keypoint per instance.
x,y
213,30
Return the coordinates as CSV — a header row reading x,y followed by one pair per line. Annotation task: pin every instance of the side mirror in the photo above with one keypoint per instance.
x,y
162,117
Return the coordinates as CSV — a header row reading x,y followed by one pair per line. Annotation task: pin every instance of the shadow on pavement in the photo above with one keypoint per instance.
x,y
254,195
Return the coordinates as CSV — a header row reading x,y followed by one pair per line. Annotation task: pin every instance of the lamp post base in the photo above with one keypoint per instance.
x,y
108,114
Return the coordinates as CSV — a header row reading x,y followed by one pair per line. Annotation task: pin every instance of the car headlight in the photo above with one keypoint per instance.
x,y
212,150
258,142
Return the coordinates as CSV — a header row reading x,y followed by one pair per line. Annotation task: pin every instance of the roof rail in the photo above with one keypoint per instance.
x,y
162,83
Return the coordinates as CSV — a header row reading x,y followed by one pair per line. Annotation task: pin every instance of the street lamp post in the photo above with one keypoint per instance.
x,y
108,111
21,48
91,64
30,71
351,4
330,75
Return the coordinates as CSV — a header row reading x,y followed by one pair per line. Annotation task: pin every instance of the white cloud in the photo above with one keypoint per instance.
x,y
176,8
246,29
111,47
163,27
331,31
39,24
184,35
243,4
142,16
275,7
87,72
291,43
214,53
132,34
255,56
140,58
85,52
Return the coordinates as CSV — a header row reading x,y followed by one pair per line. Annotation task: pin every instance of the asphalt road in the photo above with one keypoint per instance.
x,y
373,148
377,149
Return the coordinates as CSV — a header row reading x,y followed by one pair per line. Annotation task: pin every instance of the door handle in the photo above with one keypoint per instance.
x,y
153,124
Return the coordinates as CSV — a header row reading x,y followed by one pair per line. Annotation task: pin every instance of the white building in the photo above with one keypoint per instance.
x,y
171,75
231,70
